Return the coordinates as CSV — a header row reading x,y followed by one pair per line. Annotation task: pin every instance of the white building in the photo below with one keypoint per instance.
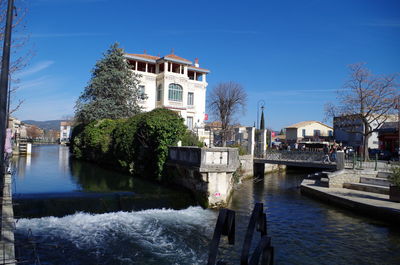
x,y
65,132
172,82
308,131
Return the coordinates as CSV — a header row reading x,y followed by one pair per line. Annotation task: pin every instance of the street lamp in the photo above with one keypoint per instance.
x,y
5,67
398,124
261,103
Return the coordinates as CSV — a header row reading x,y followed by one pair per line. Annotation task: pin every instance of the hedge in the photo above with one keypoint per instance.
x,y
138,144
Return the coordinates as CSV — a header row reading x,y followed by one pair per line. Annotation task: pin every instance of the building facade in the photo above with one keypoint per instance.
x,y
388,136
65,132
349,130
308,131
172,82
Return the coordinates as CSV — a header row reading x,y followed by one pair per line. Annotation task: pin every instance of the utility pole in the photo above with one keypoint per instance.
x,y
5,68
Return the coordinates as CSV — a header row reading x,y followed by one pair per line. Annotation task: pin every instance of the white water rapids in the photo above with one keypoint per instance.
x,y
156,236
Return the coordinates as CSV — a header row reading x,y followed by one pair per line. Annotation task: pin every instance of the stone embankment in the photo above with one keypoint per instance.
x,y
209,173
7,255
363,191
247,166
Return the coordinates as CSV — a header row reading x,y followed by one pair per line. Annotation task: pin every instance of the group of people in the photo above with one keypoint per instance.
x,y
330,152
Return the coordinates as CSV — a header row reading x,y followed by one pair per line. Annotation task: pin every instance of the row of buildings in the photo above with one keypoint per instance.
x,y
180,84
346,131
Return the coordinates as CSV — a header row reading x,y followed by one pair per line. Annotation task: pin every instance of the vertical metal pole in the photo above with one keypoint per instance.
x,y
5,65
398,125
376,162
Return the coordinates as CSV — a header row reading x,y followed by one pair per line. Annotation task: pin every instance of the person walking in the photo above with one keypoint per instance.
x,y
326,156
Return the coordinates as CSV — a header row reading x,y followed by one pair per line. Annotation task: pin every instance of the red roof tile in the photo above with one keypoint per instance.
x,y
173,56
194,67
145,56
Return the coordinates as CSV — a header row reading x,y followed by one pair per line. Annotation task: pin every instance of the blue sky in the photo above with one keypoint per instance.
x,y
291,54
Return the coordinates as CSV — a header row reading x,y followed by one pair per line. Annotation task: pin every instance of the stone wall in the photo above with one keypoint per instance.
x,y
207,172
337,178
247,165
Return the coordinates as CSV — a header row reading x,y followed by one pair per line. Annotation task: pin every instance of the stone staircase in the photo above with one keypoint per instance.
x,y
379,184
23,147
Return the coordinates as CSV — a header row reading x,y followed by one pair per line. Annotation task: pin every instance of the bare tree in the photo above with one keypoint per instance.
x,y
225,101
18,43
33,132
365,103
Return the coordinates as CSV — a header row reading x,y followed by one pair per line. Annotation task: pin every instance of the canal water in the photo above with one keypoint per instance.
x,y
164,226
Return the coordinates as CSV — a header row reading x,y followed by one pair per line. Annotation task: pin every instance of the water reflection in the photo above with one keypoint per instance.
x,y
93,178
305,231
56,184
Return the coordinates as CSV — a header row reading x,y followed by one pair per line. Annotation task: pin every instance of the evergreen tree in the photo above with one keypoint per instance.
x,y
112,92
262,125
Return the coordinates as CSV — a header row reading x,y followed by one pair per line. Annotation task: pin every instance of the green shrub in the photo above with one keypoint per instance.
x,y
94,141
394,177
156,130
138,144
242,151
190,139
123,142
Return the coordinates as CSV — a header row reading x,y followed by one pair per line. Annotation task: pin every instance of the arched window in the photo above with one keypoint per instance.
x,y
175,92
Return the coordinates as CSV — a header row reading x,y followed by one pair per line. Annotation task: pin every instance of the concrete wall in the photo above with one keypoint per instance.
x,y
247,166
207,172
7,251
336,179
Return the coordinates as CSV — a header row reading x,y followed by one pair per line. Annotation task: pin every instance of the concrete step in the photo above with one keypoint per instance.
x,y
375,181
383,175
367,188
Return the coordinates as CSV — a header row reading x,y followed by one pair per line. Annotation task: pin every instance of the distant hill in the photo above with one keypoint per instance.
x,y
45,125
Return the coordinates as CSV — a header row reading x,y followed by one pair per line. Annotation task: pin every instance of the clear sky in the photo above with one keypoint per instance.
x,y
291,54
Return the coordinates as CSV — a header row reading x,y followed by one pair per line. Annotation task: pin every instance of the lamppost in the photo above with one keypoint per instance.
x,y
398,124
261,103
5,67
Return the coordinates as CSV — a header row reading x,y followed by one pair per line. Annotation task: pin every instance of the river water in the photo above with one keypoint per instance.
x,y
164,226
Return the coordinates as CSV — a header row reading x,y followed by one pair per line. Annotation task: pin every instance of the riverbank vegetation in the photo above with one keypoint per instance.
x,y
138,144
112,92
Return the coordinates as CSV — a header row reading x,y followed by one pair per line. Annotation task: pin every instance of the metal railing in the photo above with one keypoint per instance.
x,y
355,161
295,155
226,226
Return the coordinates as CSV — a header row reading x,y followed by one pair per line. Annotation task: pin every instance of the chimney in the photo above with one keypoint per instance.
x,y
196,62
145,52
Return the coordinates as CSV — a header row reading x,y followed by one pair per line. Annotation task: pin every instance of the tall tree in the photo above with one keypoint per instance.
x,y
225,101
366,100
112,92
262,122
21,53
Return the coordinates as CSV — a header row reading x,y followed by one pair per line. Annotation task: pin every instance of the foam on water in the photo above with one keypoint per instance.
x,y
157,236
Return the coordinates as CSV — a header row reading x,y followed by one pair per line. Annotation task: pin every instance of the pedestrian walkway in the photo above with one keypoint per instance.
x,y
373,204
7,255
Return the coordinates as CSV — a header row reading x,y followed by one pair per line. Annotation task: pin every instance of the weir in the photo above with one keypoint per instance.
x,y
209,173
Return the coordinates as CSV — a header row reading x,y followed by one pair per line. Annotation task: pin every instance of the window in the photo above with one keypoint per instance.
x,y
330,133
175,92
189,122
317,132
142,93
159,92
303,132
190,98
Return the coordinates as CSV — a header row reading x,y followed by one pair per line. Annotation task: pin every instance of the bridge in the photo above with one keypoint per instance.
x,y
297,158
